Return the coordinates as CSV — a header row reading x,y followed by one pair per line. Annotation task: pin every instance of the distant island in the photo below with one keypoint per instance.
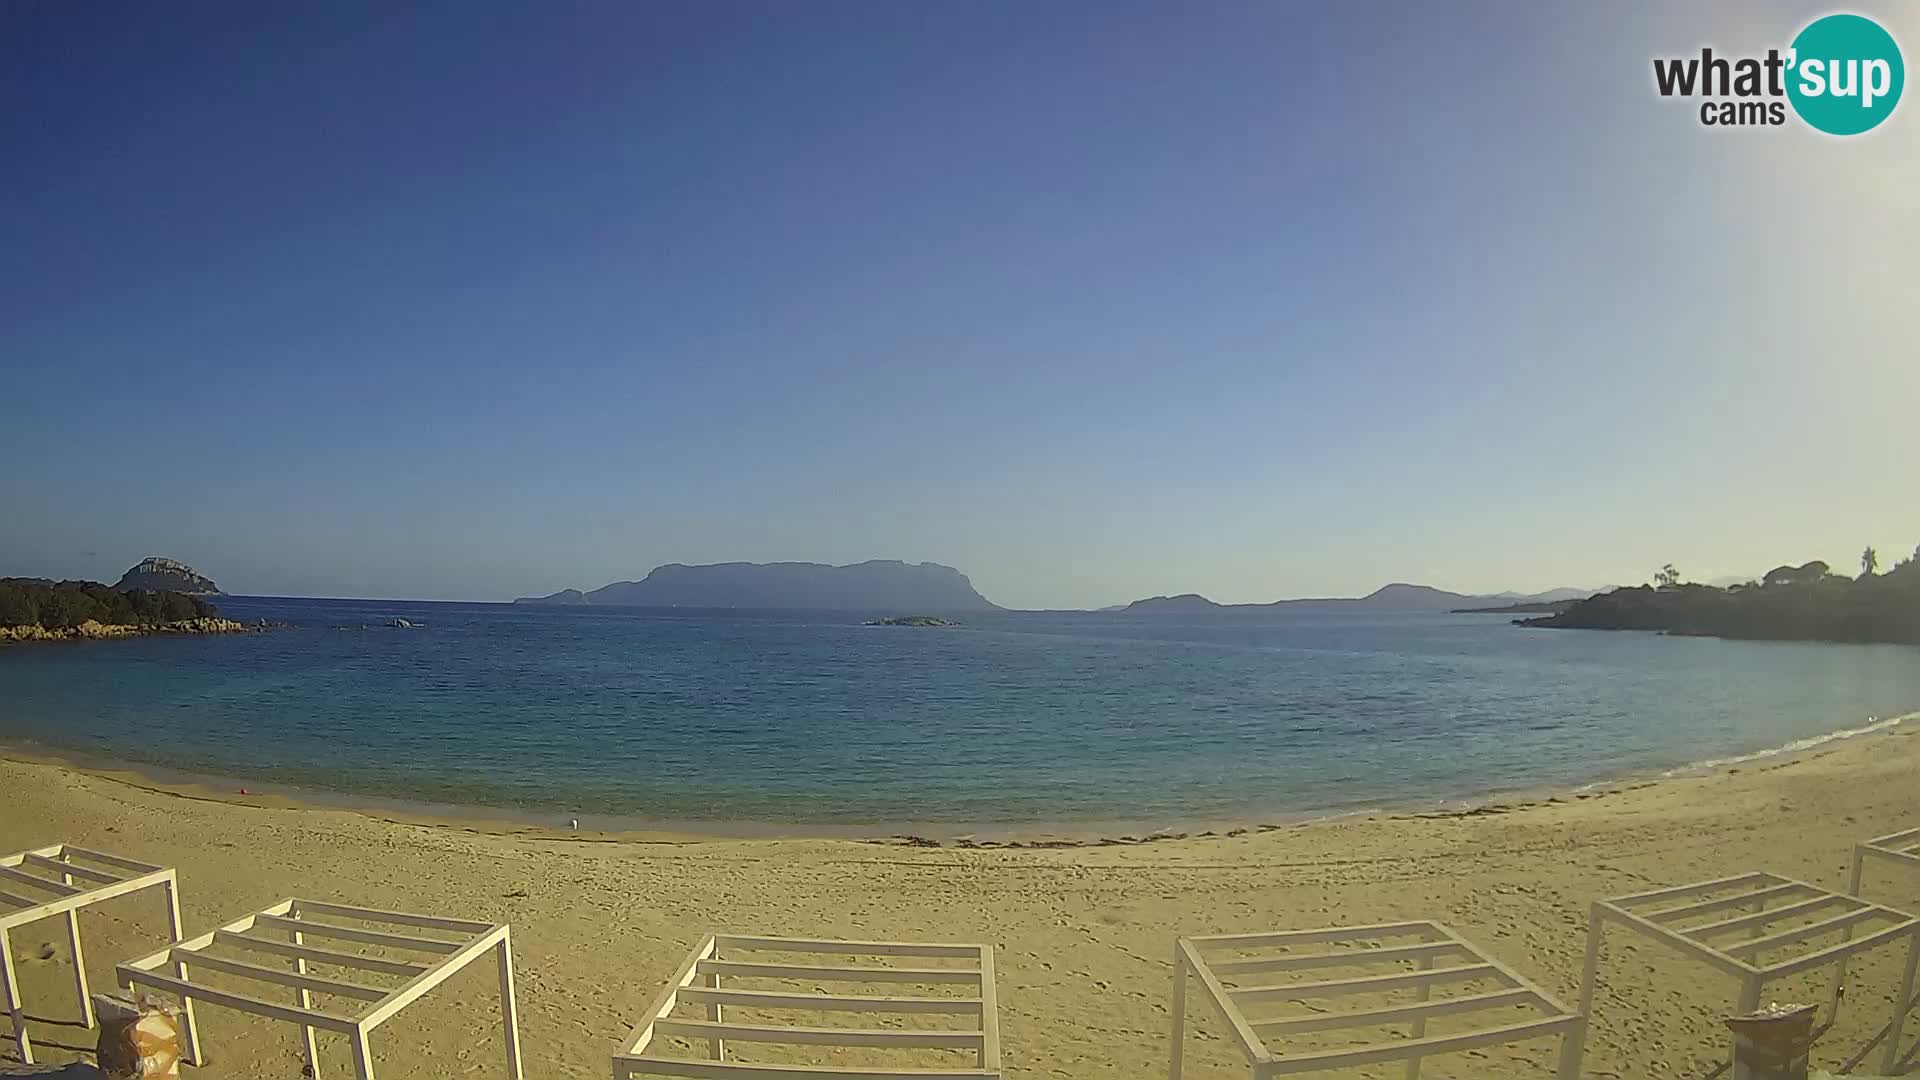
x,y
911,620
1791,603
167,575
876,585
1398,596
1171,604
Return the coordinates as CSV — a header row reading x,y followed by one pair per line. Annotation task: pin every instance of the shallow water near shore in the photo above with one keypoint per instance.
x,y
1086,721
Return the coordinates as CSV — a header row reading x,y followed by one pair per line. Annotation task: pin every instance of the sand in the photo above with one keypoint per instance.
x,y
1083,934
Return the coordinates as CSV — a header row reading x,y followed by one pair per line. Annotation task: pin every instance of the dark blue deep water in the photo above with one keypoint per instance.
x,y
1014,718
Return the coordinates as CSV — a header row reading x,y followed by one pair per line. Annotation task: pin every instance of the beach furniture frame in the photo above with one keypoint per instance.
x,y
1234,975
1701,921
70,878
424,963
1901,847
699,982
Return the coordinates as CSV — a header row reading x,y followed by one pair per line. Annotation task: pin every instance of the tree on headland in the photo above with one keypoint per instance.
x,y
66,604
1797,575
17,608
1808,602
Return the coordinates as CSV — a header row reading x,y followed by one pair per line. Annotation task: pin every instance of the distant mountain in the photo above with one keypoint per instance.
x,y
167,575
1409,597
1551,596
877,585
1398,596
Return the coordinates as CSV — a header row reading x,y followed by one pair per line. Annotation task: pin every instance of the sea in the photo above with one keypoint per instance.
x,y
744,720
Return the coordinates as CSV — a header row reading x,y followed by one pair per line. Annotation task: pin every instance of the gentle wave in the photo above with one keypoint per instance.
x,y
1796,746
1023,719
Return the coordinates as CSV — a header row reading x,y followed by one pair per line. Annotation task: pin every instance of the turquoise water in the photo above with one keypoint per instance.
x,y
1014,718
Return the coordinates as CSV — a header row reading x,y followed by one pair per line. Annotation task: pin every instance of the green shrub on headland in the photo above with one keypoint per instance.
x,y
1800,603
67,605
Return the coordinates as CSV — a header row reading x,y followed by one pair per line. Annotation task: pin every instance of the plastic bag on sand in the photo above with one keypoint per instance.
x,y
139,1040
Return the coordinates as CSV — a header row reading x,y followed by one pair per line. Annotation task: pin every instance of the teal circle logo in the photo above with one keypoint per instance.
x,y
1846,74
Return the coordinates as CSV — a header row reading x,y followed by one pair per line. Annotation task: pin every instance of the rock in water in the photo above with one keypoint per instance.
x,y
167,575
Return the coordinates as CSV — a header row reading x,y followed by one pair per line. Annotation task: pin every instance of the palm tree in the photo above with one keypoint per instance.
x,y
1869,561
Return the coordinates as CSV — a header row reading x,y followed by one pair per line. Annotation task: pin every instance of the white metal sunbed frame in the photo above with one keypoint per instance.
x,y
698,982
374,1005
28,897
1440,957
1667,915
1900,847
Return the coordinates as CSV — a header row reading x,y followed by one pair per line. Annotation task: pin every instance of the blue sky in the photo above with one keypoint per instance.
x,y
1092,301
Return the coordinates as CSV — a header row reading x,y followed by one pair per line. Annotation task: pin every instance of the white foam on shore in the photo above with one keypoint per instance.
x,y
1796,746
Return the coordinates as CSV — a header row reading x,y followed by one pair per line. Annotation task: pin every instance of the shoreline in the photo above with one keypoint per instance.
x,y
1081,935
1036,835
91,630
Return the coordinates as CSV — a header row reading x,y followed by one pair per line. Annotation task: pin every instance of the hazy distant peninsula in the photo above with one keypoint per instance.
x,y
876,585
564,596
1531,607
167,575
1398,596
1792,603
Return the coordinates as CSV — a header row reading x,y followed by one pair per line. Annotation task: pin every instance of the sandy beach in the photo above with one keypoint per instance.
x,y
1082,934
